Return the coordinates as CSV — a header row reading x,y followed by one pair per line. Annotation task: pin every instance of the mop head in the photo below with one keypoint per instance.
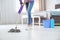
x,y
14,30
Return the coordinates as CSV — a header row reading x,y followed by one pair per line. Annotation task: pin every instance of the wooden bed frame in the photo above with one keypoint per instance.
x,y
57,6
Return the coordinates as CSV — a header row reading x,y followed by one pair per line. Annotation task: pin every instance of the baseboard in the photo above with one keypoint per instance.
x,y
57,24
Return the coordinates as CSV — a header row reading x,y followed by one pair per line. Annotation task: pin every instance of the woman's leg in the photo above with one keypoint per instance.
x,y
29,12
27,4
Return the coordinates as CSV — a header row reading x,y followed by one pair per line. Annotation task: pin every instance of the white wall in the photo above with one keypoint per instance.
x,y
0,10
57,1
50,4
9,11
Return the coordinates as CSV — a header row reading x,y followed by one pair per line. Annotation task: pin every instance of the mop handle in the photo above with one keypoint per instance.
x,y
18,17
20,10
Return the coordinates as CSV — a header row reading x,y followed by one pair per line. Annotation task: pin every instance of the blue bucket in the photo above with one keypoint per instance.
x,y
47,23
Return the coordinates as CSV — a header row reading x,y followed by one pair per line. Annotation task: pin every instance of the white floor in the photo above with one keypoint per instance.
x,y
39,33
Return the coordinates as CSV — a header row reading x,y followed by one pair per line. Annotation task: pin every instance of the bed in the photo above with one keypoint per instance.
x,y
56,14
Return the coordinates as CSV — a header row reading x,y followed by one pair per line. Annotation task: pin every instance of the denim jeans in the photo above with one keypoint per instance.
x,y
29,6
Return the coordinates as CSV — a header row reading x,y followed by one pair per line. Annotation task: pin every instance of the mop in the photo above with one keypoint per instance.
x,y
19,12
